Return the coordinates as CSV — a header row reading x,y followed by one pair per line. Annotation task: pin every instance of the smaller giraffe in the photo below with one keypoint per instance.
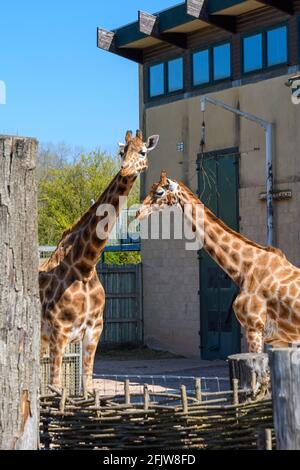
x,y
268,305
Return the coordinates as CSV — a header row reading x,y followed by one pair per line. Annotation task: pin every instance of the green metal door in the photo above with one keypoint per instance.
x,y
218,190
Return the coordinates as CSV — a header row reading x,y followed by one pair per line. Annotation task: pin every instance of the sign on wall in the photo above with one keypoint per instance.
x,y
278,195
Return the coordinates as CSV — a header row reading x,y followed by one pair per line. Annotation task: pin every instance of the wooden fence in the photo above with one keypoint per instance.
x,y
123,317
215,421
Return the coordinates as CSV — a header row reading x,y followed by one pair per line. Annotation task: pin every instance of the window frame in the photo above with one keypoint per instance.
x,y
149,79
210,49
272,28
263,51
201,85
264,32
166,77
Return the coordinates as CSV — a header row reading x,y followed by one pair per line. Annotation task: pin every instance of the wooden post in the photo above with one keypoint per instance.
x,y
127,391
252,370
184,399
264,438
235,389
268,438
19,295
146,397
285,376
198,390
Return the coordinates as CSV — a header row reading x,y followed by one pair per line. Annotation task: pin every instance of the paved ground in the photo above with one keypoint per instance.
x,y
174,366
162,374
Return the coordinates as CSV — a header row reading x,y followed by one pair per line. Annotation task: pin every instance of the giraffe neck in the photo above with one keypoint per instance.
x,y
234,253
80,246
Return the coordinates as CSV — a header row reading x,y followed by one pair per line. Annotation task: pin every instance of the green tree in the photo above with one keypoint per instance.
x,y
67,188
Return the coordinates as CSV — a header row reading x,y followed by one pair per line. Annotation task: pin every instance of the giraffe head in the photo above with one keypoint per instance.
x,y
134,153
162,194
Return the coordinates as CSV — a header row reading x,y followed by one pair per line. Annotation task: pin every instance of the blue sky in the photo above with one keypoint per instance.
x,y
59,86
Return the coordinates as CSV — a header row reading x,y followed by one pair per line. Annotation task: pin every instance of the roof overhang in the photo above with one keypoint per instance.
x,y
173,25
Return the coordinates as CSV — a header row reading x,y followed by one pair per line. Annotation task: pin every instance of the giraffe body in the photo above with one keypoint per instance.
x,y
268,305
72,296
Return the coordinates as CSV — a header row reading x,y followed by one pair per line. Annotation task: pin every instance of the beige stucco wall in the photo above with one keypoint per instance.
x,y
171,305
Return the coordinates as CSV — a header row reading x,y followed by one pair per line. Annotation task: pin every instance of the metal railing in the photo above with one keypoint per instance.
x,y
161,385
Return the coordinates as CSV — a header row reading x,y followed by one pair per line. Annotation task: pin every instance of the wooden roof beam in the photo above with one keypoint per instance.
x,y
285,6
199,9
149,25
107,40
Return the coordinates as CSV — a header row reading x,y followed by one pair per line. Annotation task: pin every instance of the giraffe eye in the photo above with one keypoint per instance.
x,y
143,153
160,192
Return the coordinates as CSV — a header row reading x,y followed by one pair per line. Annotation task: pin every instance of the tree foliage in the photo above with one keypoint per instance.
x,y
68,181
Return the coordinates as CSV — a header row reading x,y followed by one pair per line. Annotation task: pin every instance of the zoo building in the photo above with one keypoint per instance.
x,y
215,82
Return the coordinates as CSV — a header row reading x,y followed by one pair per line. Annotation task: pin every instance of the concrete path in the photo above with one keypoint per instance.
x,y
160,374
174,366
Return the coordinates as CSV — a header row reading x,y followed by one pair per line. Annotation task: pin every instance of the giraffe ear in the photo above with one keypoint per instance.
x,y
121,149
172,185
128,137
163,178
152,142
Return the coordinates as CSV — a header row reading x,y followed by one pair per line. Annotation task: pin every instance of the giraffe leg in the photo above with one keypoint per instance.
x,y
256,345
255,340
251,311
57,350
89,347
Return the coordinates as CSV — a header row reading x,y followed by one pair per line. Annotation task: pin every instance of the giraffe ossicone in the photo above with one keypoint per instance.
x,y
71,294
268,304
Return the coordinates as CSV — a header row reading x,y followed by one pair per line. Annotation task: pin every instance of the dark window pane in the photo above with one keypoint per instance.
x,y
175,75
277,46
201,67
222,62
157,80
253,53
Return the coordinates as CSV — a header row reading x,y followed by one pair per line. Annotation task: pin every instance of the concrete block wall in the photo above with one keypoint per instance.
x,y
171,300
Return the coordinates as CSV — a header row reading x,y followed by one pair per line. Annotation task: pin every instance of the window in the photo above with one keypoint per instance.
x,y
175,75
216,59
277,46
222,61
265,49
253,53
166,77
157,80
201,68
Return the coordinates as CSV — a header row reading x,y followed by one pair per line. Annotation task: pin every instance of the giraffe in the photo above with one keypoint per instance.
x,y
72,296
268,303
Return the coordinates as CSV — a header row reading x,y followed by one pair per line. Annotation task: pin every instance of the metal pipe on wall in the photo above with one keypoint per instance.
x,y
268,128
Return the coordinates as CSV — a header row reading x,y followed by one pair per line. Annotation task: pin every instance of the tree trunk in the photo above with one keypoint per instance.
x,y
19,295
252,370
285,376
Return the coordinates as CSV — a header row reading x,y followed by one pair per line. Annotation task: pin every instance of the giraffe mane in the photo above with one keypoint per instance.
x,y
269,249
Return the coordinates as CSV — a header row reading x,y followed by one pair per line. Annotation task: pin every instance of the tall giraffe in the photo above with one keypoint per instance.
x,y
268,305
71,294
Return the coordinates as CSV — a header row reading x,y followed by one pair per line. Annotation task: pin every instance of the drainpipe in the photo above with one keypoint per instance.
x,y
268,128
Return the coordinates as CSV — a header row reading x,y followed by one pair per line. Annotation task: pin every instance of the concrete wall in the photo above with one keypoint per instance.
x,y
171,302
